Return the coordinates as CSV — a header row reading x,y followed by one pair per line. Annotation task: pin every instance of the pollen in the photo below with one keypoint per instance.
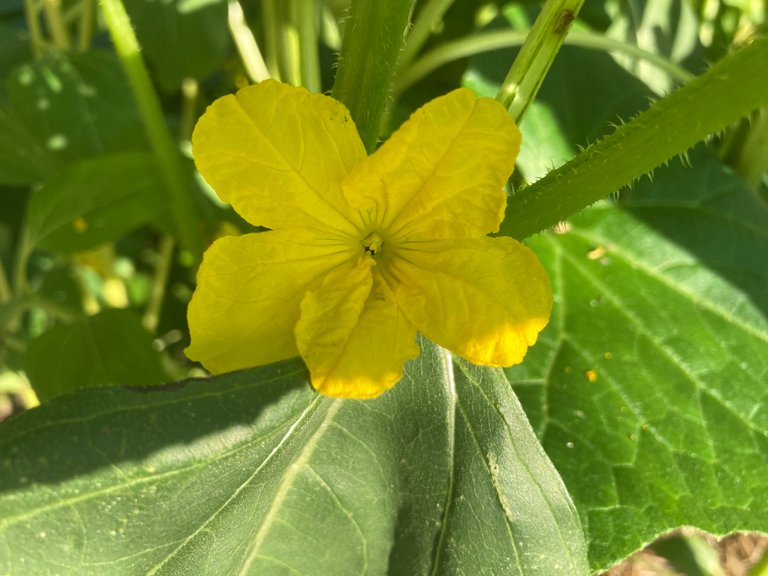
x,y
373,243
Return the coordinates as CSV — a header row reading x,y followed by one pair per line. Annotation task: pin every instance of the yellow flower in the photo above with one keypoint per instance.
x,y
363,250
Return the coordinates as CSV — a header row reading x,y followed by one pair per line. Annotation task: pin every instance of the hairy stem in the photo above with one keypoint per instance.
x,y
731,89
368,60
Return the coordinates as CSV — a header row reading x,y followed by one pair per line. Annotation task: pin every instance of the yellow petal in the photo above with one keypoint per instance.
x,y
249,289
277,154
485,299
441,175
352,335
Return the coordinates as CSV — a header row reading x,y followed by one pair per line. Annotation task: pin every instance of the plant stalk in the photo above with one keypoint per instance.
x,y
372,43
728,91
426,20
246,43
489,41
181,204
536,56
31,13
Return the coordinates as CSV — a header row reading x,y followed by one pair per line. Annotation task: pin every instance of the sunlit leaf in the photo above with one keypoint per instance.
x,y
669,28
649,389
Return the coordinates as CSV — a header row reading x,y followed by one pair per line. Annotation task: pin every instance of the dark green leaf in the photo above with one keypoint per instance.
x,y
107,349
72,107
95,201
23,158
253,473
649,387
16,48
181,39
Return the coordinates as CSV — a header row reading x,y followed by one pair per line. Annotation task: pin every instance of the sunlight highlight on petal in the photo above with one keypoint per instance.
x,y
485,299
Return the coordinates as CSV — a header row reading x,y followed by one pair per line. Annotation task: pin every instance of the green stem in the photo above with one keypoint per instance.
x,y
23,252
488,41
127,46
56,26
31,10
330,28
427,18
159,283
5,288
288,39
269,12
536,56
368,60
246,44
308,52
190,90
729,90
85,30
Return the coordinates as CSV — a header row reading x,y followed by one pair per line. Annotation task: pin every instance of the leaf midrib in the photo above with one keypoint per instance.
x,y
303,417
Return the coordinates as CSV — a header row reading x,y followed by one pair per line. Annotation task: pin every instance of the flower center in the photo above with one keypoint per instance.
x,y
373,243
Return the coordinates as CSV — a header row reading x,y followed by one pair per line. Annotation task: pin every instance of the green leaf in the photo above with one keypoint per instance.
x,y
23,159
181,39
95,201
669,28
648,390
107,349
73,107
253,473
16,48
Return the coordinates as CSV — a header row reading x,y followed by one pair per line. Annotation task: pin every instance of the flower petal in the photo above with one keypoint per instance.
x,y
441,175
352,335
249,289
485,299
277,154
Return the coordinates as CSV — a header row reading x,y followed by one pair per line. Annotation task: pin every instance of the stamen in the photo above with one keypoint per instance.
x,y
373,243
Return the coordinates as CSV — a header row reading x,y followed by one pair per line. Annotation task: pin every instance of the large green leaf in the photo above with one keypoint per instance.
x,y
105,349
95,201
253,473
650,388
